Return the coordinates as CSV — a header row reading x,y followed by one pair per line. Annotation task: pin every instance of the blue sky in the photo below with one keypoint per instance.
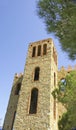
x,y
19,25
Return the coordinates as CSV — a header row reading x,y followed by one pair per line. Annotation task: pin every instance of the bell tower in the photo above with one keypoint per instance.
x,y
36,109
31,105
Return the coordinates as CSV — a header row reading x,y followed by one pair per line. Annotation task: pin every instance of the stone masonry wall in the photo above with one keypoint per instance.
x,y
12,105
43,119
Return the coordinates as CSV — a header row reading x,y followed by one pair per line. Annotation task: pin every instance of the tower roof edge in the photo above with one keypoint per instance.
x,y
44,40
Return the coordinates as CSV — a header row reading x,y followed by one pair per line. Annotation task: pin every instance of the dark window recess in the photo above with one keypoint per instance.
x,y
63,84
33,102
18,87
44,49
54,79
36,74
13,120
34,52
39,50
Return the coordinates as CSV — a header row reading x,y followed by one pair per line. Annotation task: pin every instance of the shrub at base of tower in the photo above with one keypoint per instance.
x,y
66,94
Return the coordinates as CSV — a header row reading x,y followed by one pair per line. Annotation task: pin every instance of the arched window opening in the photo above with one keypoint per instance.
x,y
33,102
63,84
18,87
54,108
44,49
36,74
63,80
13,120
39,50
54,79
34,52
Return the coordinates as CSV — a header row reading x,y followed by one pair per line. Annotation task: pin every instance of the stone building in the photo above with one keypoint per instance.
x,y
31,105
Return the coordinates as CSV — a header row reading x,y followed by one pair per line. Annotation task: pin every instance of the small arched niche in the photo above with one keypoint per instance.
x,y
34,51
44,49
39,50
36,73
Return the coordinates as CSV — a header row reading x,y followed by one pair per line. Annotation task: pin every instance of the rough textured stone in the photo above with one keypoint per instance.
x,y
12,105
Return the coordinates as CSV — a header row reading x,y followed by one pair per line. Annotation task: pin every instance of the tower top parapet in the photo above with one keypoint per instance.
x,y
44,40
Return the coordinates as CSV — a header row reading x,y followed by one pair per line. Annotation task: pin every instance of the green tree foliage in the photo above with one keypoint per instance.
x,y
66,94
60,18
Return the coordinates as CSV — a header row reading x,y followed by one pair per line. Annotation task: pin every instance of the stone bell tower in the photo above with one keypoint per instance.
x,y
36,109
31,104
